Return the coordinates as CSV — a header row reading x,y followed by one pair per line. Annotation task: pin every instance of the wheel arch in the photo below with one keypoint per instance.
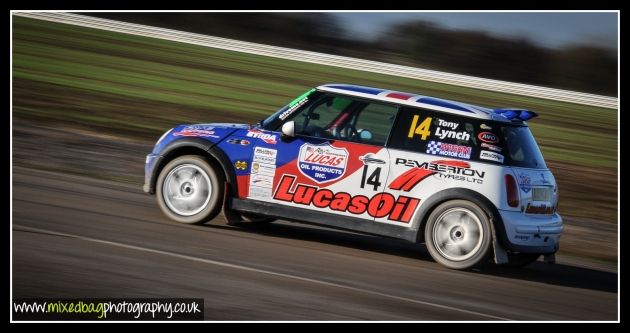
x,y
200,147
458,194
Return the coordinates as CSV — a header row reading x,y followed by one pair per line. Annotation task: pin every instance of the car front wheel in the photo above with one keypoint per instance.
x,y
189,190
458,234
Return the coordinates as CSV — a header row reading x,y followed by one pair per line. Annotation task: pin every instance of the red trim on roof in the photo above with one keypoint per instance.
x,y
400,95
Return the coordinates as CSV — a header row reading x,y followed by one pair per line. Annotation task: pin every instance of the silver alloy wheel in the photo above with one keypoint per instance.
x,y
187,190
457,234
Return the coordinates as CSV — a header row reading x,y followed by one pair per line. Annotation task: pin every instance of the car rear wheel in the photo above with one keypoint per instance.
x,y
458,234
189,190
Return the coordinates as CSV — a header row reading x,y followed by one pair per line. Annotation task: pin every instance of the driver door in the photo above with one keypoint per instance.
x,y
336,163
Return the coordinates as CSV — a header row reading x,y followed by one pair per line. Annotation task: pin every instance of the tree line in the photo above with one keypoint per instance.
x,y
582,67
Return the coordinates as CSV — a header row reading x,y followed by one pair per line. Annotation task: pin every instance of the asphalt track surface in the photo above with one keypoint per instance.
x,y
79,237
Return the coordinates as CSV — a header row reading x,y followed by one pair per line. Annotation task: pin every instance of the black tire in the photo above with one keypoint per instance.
x,y
172,201
458,235
522,259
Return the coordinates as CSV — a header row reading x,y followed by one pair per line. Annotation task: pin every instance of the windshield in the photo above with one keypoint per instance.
x,y
273,121
522,148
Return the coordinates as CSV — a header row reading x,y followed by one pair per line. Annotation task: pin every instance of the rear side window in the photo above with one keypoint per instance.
x,y
374,122
434,133
450,136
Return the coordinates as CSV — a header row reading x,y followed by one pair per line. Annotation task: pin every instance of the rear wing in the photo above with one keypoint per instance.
x,y
516,114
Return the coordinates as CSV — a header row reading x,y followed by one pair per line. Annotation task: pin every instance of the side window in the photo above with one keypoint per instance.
x,y
344,118
373,123
434,133
317,118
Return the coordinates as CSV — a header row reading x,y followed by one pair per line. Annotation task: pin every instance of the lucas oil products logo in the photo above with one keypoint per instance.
x,y
380,205
322,163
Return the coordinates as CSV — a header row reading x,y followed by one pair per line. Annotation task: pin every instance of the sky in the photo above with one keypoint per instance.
x,y
554,30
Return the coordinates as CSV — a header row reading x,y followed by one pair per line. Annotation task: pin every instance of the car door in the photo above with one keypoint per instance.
x,y
430,152
336,163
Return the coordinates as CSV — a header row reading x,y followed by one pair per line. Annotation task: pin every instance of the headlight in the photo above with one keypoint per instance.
x,y
163,136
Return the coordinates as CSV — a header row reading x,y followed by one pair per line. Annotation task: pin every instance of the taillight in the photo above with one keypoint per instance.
x,y
512,191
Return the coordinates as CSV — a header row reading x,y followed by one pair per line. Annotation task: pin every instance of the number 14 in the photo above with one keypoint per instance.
x,y
422,129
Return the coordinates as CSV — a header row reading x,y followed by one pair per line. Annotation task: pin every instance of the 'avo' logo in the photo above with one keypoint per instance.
x,y
488,137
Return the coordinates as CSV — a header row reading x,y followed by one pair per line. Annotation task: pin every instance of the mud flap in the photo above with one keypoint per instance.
x,y
500,255
232,217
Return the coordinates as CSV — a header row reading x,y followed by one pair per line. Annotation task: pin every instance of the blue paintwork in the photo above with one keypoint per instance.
x,y
519,114
244,153
445,104
473,110
220,132
227,135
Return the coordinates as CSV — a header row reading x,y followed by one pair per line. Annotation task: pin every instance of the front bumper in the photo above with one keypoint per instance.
x,y
529,233
151,162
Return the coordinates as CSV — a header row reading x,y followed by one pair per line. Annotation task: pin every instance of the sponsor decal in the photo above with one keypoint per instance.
x,y
543,180
524,179
265,155
295,104
446,169
263,168
259,192
240,165
491,156
451,131
538,209
380,205
322,163
197,130
261,180
241,142
491,147
266,137
485,127
488,137
447,149
521,237
524,182
262,173
421,129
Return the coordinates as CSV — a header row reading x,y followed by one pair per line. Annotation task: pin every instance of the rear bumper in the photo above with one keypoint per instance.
x,y
532,233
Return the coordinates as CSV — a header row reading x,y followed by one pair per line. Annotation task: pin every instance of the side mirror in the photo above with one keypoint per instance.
x,y
288,129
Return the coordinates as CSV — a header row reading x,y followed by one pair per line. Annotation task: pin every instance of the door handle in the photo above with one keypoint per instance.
x,y
372,160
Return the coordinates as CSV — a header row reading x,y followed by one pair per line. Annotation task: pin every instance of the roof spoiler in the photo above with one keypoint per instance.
x,y
516,114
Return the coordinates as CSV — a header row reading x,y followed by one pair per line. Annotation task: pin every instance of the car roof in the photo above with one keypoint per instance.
x,y
427,102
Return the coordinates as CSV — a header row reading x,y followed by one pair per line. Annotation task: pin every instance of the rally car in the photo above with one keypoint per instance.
x,y
468,181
